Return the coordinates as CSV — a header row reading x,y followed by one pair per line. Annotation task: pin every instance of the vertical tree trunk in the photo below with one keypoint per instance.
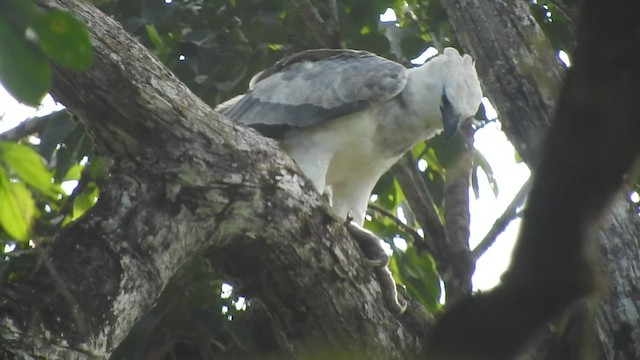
x,y
618,318
520,74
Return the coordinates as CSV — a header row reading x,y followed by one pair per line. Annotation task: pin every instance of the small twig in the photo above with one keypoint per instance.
x,y
510,213
28,127
418,239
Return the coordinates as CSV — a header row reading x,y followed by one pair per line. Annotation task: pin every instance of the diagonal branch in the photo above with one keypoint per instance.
x,y
28,127
419,241
501,223
186,183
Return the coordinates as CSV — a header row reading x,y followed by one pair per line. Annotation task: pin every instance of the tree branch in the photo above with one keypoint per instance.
x,y
185,183
28,127
503,221
458,265
596,123
419,242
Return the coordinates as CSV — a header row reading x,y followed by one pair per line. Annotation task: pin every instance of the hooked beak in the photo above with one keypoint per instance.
x,y
450,120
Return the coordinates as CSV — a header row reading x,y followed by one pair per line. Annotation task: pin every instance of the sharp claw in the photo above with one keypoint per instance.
x,y
377,263
349,218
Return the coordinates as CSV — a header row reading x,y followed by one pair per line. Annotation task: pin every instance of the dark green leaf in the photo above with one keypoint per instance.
x,y
64,39
429,155
58,127
20,12
99,167
435,184
448,150
412,46
24,72
76,146
389,196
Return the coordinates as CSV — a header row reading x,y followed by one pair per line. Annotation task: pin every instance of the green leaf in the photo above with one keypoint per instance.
x,y
412,46
17,208
64,39
99,167
74,173
155,38
389,193
418,273
432,160
57,128
76,146
518,159
28,165
85,200
418,150
24,72
435,183
448,150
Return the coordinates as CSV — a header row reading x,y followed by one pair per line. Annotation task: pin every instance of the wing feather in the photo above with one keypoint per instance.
x,y
314,86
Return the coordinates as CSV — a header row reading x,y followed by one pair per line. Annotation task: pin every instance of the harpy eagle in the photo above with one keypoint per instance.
x,y
346,116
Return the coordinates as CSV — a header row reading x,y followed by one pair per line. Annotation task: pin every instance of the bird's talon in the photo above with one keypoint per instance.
x,y
377,263
349,218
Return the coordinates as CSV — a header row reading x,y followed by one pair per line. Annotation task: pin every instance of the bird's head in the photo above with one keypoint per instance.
x,y
461,92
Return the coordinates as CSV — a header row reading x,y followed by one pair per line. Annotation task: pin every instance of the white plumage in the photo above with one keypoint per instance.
x,y
346,116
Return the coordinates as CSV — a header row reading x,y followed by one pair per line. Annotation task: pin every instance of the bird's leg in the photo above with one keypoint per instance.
x,y
378,258
392,299
369,243
327,194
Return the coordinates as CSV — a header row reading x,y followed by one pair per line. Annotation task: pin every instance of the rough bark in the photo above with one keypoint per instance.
x,y
519,70
596,123
500,35
618,318
187,183
457,222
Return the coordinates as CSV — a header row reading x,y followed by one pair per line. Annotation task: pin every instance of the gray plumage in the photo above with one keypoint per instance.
x,y
346,116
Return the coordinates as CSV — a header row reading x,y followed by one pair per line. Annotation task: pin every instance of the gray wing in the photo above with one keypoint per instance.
x,y
316,85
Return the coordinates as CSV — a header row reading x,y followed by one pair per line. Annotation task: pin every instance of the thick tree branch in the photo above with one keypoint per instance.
x,y
596,123
186,182
520,71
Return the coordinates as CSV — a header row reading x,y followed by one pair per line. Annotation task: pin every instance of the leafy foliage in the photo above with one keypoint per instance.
x,y
30,41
